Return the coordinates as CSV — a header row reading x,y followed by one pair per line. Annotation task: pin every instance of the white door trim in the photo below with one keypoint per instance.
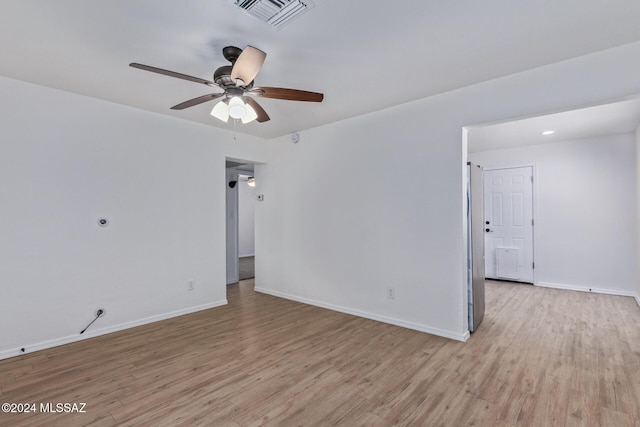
x,y
231,221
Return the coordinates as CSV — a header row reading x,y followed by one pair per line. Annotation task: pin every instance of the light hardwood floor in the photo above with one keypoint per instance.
x,y
542,357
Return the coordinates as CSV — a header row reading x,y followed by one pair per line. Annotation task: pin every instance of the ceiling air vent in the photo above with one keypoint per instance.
x,y
276,13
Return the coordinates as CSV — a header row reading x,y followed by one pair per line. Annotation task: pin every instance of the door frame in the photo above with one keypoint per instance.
x,y
232,213
231,224
534,204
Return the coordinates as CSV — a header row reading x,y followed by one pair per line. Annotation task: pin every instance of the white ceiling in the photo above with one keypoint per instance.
x,y
364,55
608,119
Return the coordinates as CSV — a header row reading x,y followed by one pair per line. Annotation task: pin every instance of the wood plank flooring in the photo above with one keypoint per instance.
x,y
542,357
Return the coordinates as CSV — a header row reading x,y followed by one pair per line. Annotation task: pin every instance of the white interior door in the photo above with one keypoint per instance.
x,y
508,214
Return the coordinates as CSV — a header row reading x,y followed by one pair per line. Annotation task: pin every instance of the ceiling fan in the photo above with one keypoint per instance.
x,y
237,82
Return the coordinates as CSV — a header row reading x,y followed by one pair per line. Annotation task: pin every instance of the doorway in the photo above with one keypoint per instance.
x,y
240,221
584,167
508,215
246,225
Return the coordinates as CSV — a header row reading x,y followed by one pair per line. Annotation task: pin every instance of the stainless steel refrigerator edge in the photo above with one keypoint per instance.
x,y
475,245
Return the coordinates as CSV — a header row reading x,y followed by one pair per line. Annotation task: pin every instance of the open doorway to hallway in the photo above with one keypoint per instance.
x,y
240,208
246,225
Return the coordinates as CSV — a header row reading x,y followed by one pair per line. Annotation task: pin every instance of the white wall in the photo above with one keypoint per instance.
x,y
585,197
67,160
246,219
378,199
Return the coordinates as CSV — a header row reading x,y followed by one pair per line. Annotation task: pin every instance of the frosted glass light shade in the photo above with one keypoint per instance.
x,y
250,115
221,111
237,109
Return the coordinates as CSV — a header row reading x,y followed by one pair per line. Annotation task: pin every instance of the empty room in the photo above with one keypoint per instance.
x,y
142,139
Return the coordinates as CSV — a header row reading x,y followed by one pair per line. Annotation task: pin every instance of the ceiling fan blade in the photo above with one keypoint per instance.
x,y
262,115
172,74
196,101
288,94
248,65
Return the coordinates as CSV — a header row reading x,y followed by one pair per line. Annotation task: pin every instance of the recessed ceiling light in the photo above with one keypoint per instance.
x,y
548,132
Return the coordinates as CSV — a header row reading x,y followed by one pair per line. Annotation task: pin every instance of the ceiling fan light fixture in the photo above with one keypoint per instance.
x,y
250,114
221,111
237,109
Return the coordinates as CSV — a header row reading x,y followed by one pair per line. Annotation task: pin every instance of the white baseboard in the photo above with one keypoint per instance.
x,y
637,297
585,289
384,319
30,348
245,255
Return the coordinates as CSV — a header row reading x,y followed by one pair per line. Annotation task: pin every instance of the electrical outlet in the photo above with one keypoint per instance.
x,y
191,285
391,293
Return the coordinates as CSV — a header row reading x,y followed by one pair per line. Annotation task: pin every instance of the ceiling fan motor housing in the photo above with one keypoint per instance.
x,y
222,76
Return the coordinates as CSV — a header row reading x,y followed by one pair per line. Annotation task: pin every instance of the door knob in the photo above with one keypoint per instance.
x,y
488,230
486,222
